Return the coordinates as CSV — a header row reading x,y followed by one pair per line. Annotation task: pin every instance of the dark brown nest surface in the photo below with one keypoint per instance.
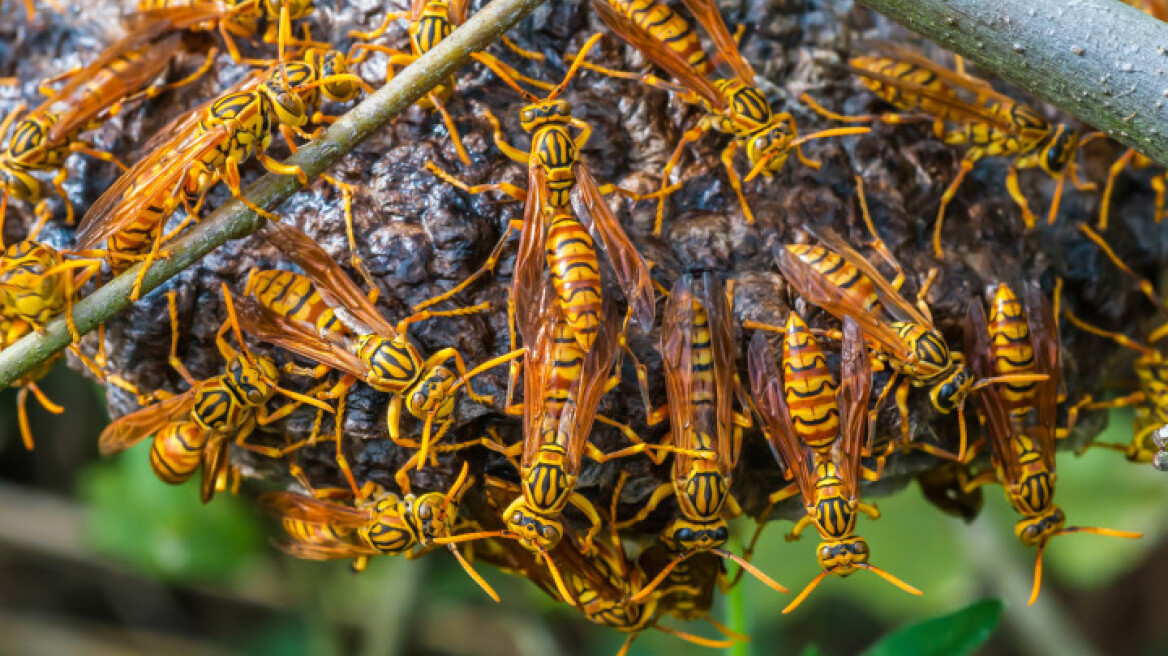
x,y
419,236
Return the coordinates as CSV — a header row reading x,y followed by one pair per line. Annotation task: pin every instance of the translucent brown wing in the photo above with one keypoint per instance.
x,y
989,401
659,53
149,181
262,323
706,11
458,11
1047,360
289,505
183,16
127,431
576,419
214,461
713,297
539,340
854,390
818,290
766,384
631,271
893,301
677,340
325,549
82,103
332,283
528,280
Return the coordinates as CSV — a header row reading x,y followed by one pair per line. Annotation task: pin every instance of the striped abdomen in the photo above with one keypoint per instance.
x,y
905,99
555,152
313,532
567,360
177,451
931,358
1028,131
748,110
293,296
1152,372
841,273
658,19
1012,349
809,387
571,257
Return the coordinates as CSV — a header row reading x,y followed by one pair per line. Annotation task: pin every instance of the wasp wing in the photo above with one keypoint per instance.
x,y
214,461
854,390
528,284
290,505
766,384
630,268
677,351
335,286
134,427
989,401
1047,360
259,321
576,418
706,11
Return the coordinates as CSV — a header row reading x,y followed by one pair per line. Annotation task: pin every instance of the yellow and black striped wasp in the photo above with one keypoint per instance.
x,y
320,527
323,316
825,472
1024,451
965,110
841,281
564,207
195,428
230,18
697,350
42,140
431,21
199,149
1150,442
733,106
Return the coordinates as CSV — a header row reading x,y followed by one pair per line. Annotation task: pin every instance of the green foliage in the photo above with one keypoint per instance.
x,y
164,530
954,634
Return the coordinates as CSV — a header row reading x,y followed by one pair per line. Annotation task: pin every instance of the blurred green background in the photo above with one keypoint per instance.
x,y
99,557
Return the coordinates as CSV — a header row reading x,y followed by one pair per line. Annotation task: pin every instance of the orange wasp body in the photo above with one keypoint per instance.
x,y
826,475
1024,455
733,106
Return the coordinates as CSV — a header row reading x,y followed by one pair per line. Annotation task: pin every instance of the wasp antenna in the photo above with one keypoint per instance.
x,y
888,576
1110,532
470,537
652,585
470,570
806,591
624,650
555,571
696,639
427,434
758,573
1010,378
233,320
1037,576
575,67
1143,284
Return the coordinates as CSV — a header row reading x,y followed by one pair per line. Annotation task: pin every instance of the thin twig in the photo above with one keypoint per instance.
x,y
233,220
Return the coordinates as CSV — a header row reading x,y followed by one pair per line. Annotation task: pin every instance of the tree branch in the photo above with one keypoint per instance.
x,y
1099,60
233,220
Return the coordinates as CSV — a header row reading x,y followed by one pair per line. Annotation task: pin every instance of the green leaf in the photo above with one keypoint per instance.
x,y
949,635
164,530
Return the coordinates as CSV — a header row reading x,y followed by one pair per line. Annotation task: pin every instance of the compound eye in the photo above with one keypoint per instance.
x,y
722,534
517,517
527,115
549,533
685,535
860,548
424,512
1031,532
255,396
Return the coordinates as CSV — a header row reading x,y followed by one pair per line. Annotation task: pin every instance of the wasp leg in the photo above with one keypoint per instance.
x,y
426,315
689,136
594,524
735,181
506,188
22,410
390,17
950,191
663,492
889,117
800,526
488,266
1016,193
869,509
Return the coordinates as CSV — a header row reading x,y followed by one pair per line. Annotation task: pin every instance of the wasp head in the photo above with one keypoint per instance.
x,y
18,183
255,381
432,394
431,514
333,65
842,557
685,535
1059,150
769,146
948,394
545,112
536,532
1034,531
286,103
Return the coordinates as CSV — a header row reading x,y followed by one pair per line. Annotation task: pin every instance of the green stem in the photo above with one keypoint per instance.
x,y
233,220
1099,60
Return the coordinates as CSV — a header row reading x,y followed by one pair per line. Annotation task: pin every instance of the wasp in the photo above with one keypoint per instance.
x,y
564,207
734,106
965,110
44,139
323,316
1024,454
1151,401
195,428
205,146
231,18
320,527
431,21
697,348
825,473
838,279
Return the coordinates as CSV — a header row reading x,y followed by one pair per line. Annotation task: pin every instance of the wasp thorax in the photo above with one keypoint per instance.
x,y
841,557
392,362
535,531
1035,531
548,112
1060,150
684,535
